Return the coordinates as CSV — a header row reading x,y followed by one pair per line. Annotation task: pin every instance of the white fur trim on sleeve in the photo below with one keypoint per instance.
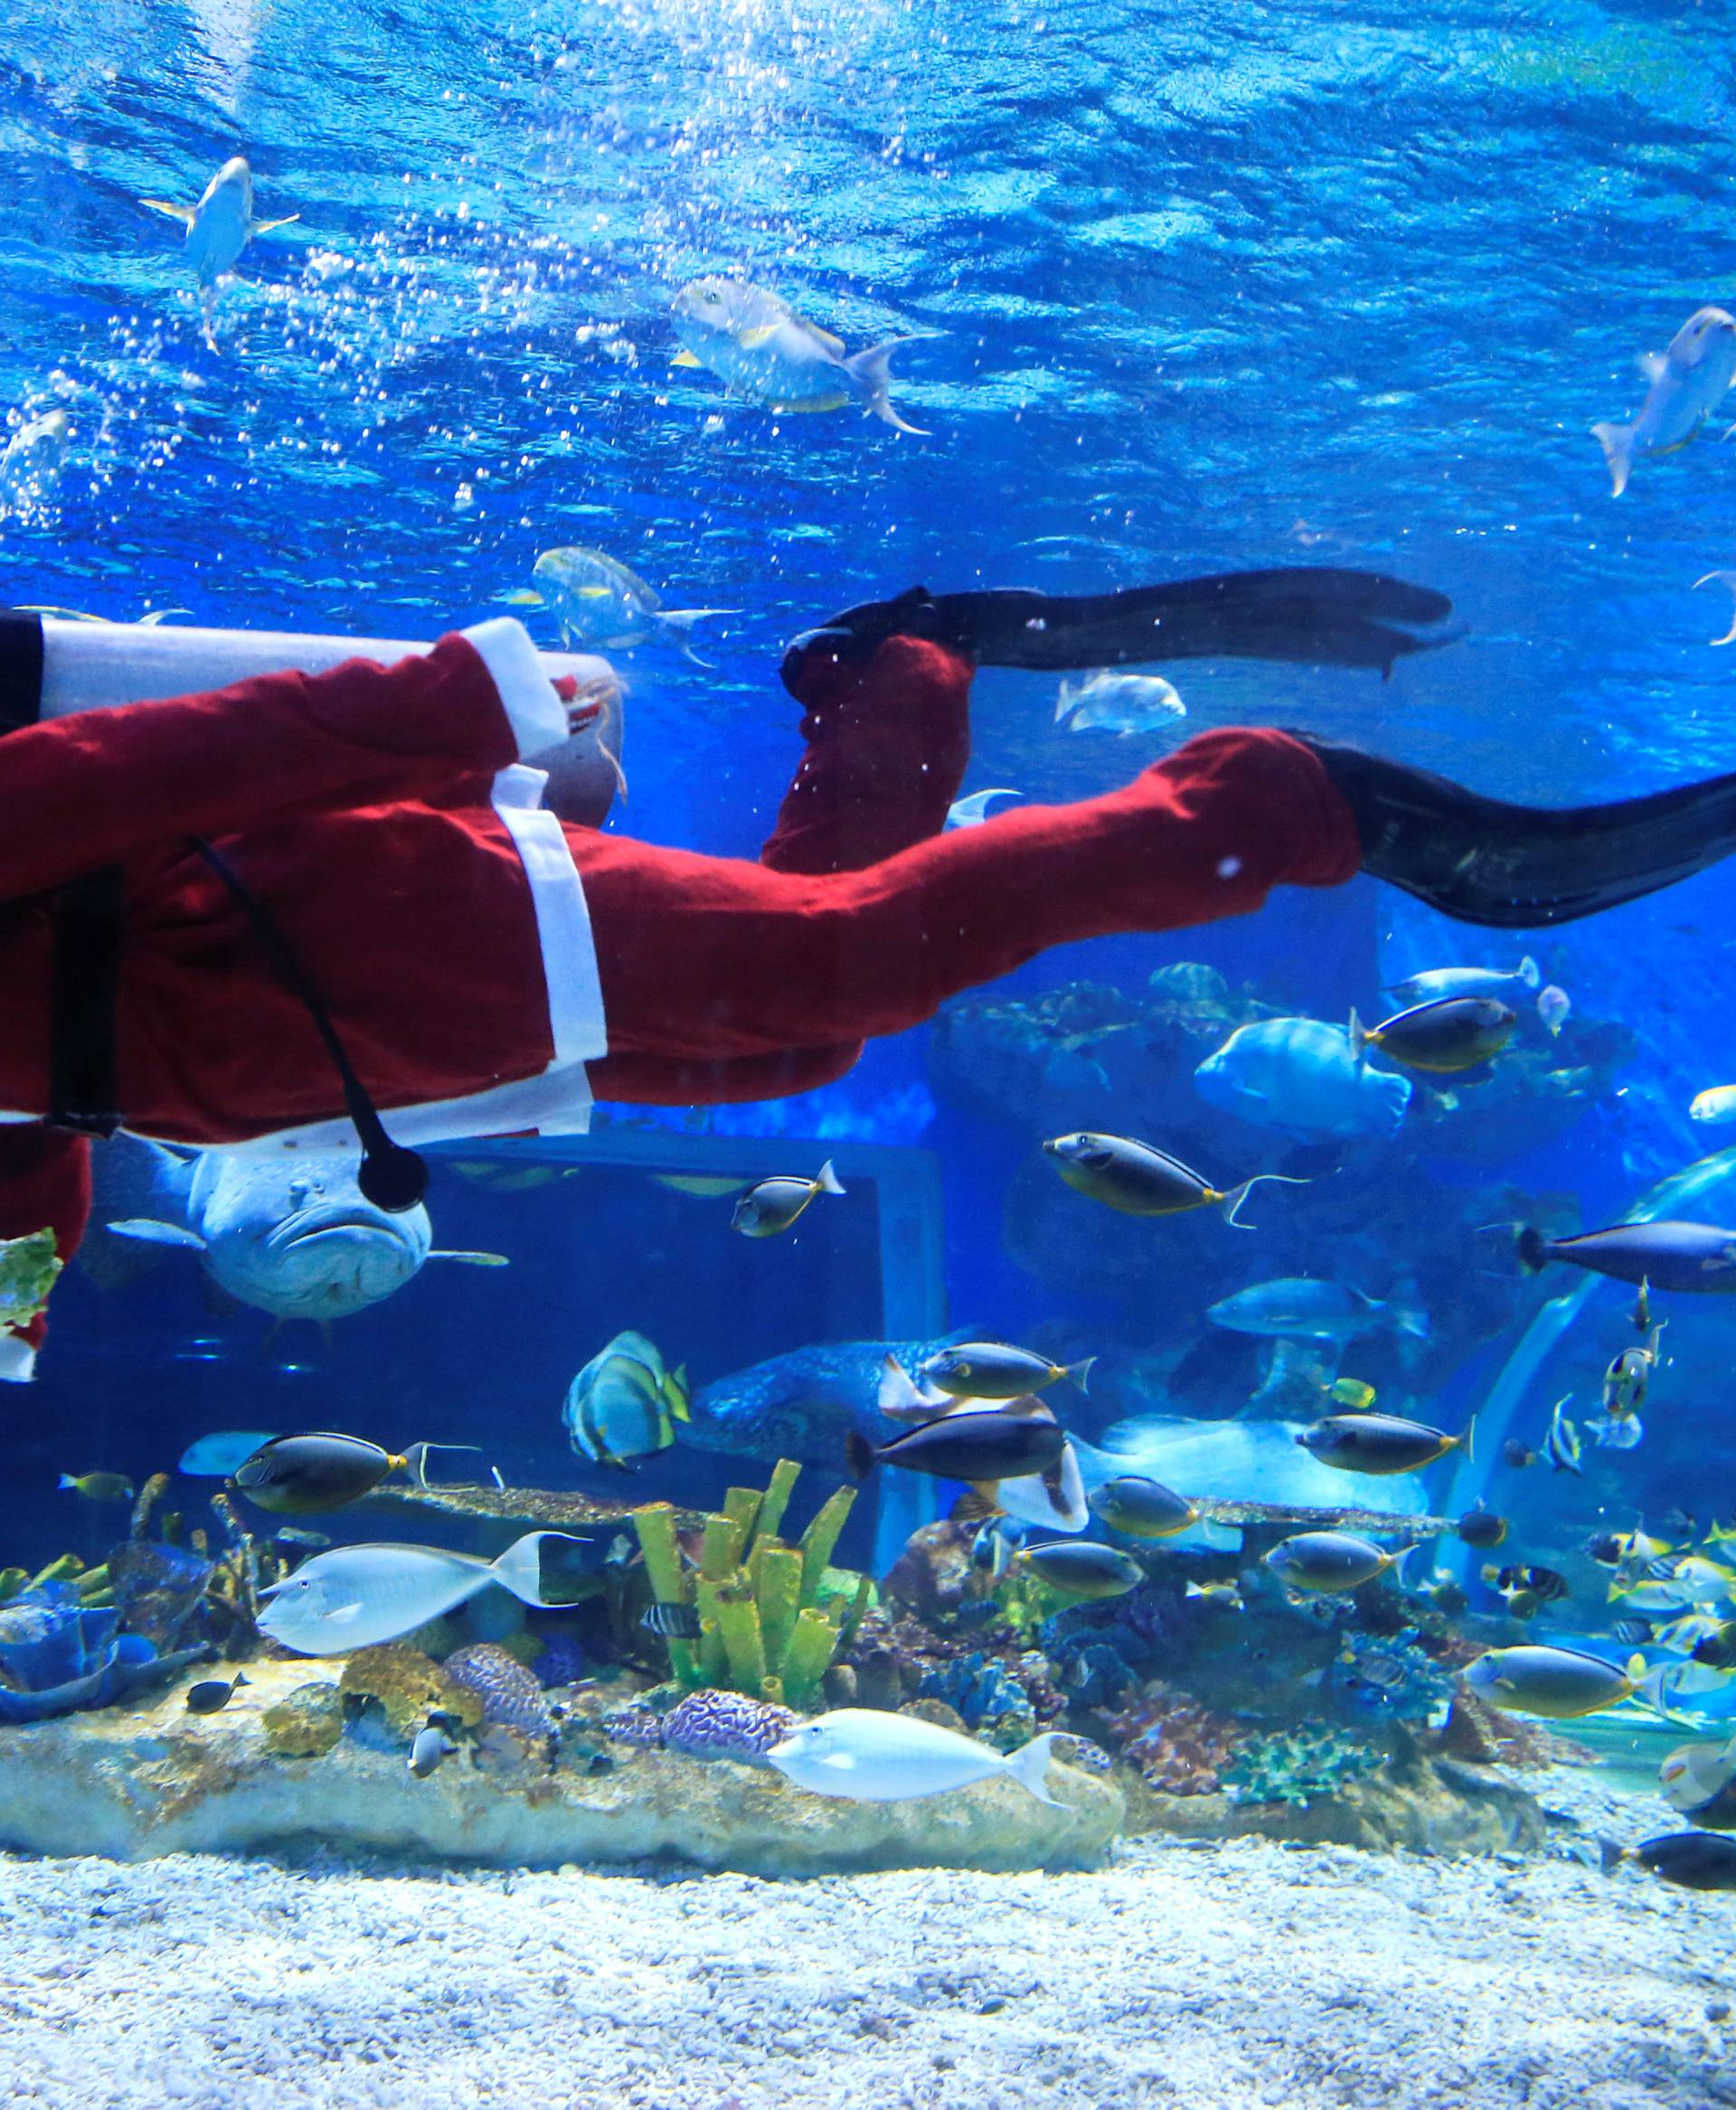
x,y
526,694
17,1360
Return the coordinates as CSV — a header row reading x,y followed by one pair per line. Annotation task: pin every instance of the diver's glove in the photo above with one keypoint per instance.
x,y
1519,867
1318,616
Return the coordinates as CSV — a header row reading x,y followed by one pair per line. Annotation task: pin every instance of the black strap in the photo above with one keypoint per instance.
x,y
83,1086
392,1177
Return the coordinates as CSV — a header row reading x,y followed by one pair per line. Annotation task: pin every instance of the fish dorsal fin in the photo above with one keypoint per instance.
x,y
686,358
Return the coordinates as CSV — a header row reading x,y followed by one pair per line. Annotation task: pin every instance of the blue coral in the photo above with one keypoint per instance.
x,y
561,1662
58,1655
511,1695
983,1693
1393,1680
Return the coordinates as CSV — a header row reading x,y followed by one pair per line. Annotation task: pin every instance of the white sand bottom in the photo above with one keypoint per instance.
x,y
1210,1978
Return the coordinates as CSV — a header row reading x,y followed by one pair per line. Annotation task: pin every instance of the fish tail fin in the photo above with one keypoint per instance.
x,y
1617,444
1532,1249
520,1567
871,371
858,1455
1724,578
1530,973
1030,1764
1233,1200
1489,1574
1611,1853
1469,1441
1358,1036
67,1480
1081,1372
829,1182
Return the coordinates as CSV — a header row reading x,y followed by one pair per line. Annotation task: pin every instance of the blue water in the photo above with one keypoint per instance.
x,y
1206,288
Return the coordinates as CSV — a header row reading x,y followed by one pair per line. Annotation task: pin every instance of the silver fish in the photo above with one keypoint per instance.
x,y
355,1596
1686,381
1437,981
873,1757
764,350
1110,702
219,228
601,606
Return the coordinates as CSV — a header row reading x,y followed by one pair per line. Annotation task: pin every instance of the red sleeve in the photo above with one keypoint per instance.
x,y
44,1185
888,739
87,790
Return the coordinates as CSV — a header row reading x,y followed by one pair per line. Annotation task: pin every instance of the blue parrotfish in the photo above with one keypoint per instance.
x,y
1299,1077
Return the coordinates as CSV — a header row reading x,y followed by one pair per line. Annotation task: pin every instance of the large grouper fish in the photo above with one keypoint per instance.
x,y
288,1233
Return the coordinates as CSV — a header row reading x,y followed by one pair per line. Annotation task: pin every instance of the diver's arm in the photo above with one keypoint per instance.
x,y
44,1185
887,740
80,792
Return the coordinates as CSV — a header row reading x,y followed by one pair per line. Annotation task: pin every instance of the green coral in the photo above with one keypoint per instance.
x,y
28,1266
773,1617
305,1723
408,1686
1296,1765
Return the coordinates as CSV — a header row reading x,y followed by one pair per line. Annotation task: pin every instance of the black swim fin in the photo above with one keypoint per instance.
x,y
1318,616
1521,867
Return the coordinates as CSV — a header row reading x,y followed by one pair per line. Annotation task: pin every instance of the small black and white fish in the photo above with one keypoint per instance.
x,y
1562,1445
432,1746
1546,1585
211,1693
1631,1632
671,1621
998,1539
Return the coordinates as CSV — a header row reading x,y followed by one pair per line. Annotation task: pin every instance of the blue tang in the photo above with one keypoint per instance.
x,y
1298,1076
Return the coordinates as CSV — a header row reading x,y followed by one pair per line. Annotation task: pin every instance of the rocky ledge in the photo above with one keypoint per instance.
x,y
136,1784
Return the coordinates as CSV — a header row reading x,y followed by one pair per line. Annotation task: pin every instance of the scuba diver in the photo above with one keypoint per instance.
x,y
256,915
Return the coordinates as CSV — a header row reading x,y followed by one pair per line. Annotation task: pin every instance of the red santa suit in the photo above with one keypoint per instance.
x,y
490,968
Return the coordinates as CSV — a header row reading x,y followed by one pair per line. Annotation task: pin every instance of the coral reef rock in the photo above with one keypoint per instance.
x,y
407,1687
160,1781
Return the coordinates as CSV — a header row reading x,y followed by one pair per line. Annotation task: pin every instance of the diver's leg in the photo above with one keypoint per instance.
x,y
888,737
704,958
1519,867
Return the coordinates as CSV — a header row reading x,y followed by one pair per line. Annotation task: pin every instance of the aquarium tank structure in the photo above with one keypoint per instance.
x,y
867,1122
